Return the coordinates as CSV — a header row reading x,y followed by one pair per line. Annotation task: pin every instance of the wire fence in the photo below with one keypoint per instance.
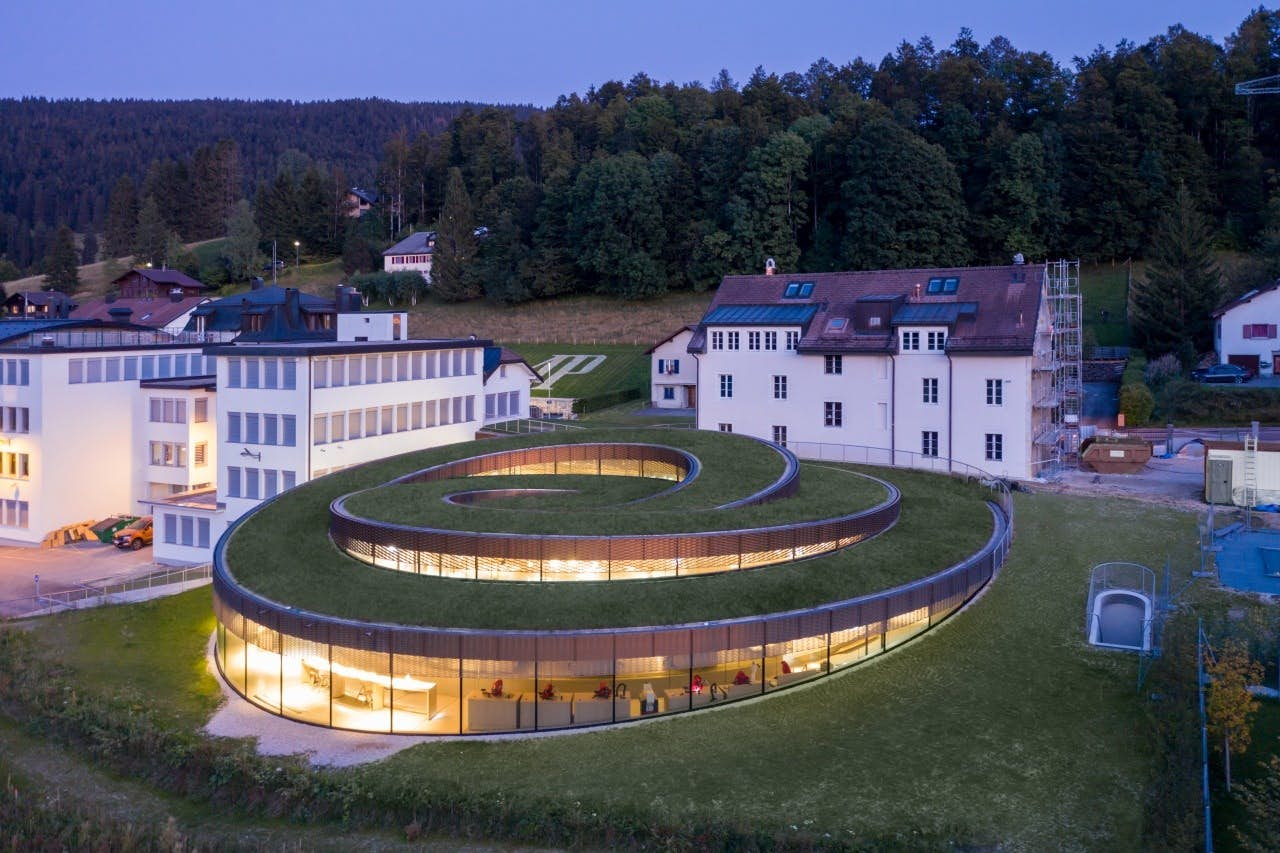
x,y
82,596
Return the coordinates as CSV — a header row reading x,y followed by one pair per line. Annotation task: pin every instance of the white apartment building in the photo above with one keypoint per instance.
x,y
293,410
507,380
71,416
674,372
924,363
1244,330
412,254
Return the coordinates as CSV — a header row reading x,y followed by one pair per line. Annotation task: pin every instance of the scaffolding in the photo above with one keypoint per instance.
x,y
1060,357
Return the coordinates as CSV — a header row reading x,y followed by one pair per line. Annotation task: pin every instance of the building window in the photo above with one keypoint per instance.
x,y
833,414
202,453
770,340
937,341
726,385
200,410
753,340
75,371
17,371
16,419
910,341
833,364
995,447
995,392
780,435
779,387
731,340
233,482
929,443
233,372
168,410
168,454
233,427
14,514
717,340
793,339
726,427
668,367
202,532
668,393
251,484
1259,330
15,466
930,394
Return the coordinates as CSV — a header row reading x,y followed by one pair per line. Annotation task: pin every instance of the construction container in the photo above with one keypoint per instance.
x,y
1115,454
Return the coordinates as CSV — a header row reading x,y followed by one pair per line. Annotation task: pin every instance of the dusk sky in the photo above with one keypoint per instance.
x,y
515,52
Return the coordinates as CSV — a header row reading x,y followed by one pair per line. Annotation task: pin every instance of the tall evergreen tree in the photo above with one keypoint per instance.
x,y
1171,307
451,278
89,251
122,219
151,237
241,248
61,270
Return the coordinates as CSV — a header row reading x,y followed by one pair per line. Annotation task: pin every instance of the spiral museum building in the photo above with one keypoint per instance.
x,y
372,599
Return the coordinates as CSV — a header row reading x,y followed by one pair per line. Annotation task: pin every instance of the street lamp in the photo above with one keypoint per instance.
x,y
297,254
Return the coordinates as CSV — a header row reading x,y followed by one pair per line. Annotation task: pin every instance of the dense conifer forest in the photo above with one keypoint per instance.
x,y
934,155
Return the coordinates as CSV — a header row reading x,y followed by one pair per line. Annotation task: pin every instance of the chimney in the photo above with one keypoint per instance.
x,y
256,283
175,295
917,290
1018,259
770,266
47,341
292,305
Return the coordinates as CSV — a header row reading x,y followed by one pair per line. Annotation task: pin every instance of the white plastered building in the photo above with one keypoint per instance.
x,y
674,383
1245,330
924,364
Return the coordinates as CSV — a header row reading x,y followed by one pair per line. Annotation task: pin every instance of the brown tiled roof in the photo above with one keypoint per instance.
x,y
993,309
163,277
155,313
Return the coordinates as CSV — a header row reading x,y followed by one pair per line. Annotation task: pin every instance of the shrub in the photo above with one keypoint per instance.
x,y
1161,370
1136,403
596,402
1135,369
1189,403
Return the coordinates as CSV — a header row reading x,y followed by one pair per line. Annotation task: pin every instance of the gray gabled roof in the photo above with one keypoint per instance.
x,y
417,243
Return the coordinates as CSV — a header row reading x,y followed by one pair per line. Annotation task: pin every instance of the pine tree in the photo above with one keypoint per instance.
x,y
61,270
455,244
1171,307
152,236
122,219
241,248
89,251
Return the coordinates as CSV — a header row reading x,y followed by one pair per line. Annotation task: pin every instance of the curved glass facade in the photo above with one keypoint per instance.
x,y
409,680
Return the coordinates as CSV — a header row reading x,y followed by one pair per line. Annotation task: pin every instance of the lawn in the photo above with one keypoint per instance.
x,y
1104,291
1000,728
283,552
625,366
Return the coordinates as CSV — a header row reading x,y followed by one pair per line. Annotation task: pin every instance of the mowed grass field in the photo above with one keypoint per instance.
x,y
1104,291
625,366
1002,728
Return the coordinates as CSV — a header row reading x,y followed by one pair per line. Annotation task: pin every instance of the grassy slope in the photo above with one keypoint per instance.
x,y
1001,727
1103,288
625,366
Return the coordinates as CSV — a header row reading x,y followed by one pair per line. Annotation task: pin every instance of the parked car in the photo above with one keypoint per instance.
x,y
267,266
1223,373
136,535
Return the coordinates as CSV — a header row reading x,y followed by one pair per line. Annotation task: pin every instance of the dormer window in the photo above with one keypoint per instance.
x,y
798,290
873,322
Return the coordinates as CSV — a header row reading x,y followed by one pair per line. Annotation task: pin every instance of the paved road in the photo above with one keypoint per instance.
x,y
67,567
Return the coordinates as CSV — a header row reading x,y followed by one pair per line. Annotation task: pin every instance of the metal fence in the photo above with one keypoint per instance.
x,y
164,582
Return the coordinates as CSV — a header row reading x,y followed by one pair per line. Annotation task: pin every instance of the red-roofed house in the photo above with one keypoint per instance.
x,y
169,314
146,282
927,363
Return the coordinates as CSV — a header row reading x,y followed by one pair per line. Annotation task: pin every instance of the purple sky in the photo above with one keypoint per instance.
x,y
527,52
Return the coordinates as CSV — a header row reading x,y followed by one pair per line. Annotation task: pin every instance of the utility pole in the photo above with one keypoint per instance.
x,y
273,263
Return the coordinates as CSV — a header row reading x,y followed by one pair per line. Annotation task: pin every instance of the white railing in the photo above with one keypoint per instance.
x,y
525,426
150,585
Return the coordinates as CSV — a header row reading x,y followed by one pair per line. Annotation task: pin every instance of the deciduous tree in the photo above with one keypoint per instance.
x,y
241,248
1231,706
